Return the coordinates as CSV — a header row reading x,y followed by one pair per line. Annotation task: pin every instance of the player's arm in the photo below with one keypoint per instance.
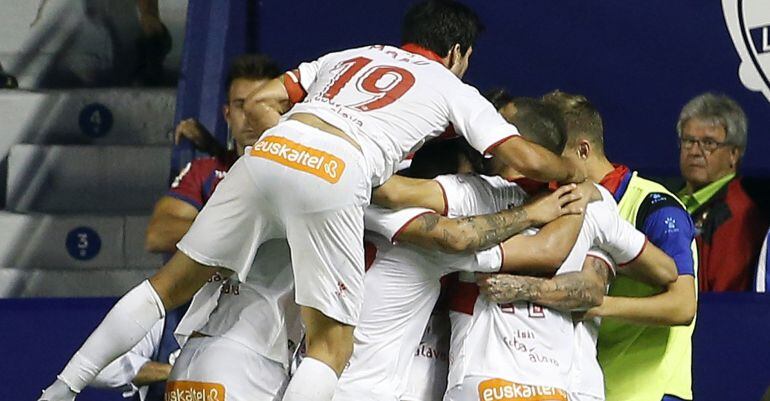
x,y
152,372
566,292
671,229
265,105
537,162
652,266
675,306
543,253
170,220
399,192
470,234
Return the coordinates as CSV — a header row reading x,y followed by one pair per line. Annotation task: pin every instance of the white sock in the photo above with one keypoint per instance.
x,y
313,381
125,324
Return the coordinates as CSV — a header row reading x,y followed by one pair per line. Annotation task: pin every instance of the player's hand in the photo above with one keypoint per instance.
x,y
565,200
196,133
500,288
58,391
588,193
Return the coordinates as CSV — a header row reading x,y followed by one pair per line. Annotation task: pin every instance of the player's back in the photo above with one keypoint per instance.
x,y
390,100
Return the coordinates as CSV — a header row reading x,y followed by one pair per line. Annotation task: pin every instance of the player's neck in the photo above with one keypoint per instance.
x,y
598,167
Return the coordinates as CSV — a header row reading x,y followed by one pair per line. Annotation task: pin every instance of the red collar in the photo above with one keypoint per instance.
x,y
417,49
614,178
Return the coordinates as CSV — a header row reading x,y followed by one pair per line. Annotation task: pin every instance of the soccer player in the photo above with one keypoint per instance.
x,y
309,178
143,371
647,326
402,284
523,348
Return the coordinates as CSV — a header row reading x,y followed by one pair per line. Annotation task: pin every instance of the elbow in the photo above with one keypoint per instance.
x,y
669,276
594,296
154,241
384,197
686,313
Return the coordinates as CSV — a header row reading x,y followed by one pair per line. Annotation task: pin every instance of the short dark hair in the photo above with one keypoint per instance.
x,y
442,156
582,118
499,97
437,25
252,66
540,123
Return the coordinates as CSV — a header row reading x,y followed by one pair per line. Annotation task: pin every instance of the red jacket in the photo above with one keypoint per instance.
x,y
731,228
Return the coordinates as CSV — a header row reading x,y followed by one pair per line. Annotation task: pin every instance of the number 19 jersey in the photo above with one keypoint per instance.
x,y
391,99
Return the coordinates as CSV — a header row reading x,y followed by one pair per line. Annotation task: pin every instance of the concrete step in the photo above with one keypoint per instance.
x,y
86,179
84,242
119,116
28,283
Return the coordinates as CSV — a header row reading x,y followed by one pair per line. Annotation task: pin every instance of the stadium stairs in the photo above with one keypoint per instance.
x,y
81,170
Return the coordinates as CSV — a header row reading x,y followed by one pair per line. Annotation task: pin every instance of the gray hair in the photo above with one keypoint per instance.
x,y
720,110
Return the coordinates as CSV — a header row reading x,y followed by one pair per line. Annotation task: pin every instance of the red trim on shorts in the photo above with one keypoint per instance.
x,y
492,147
400,230
646,241
291,81
417,49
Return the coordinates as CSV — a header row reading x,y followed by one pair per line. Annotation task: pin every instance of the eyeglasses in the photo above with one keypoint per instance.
x,y
707,145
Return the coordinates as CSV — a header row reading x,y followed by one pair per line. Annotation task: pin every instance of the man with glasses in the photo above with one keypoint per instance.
x,y
729,224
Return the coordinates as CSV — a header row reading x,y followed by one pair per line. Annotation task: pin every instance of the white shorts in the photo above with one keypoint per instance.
x,y
573,396
475,388
428,375
223,370
307,186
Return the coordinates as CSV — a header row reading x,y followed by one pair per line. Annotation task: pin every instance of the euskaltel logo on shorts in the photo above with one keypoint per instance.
x,y
749,24
300,157
194,391
504,390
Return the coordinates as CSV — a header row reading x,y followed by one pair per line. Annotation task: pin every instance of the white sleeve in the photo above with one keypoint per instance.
x,y
121,372
604,257
486,261
308,72
389,223
477,120
617,237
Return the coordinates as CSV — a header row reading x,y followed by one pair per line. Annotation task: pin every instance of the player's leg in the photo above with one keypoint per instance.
x,y
327,258
226,233
129,321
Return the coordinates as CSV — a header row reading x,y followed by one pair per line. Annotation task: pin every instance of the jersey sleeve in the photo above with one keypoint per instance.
x,y
390,223
604,257
187,186
671,229
477,120
617,237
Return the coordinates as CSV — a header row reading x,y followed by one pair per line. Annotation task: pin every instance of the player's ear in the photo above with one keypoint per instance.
x,y
455,55
226,112
584,149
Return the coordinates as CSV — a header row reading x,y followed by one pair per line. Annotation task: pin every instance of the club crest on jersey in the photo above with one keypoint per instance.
x,y
749,24
299,157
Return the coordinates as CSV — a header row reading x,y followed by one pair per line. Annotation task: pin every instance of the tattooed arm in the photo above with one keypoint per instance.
x,y
566,292
470,234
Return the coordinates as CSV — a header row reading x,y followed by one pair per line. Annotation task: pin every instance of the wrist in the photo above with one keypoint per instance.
x,y
530,217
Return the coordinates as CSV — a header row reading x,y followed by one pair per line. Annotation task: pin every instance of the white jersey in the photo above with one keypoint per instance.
x,y
390,100
401,289
524,343
259,314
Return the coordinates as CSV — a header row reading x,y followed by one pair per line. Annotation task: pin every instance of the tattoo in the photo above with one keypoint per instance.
x,y
429,221
565,292
486,231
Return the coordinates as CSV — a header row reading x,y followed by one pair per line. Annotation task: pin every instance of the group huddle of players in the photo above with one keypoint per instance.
x,y
476,280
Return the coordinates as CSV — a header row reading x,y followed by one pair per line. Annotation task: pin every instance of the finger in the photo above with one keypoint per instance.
x,y
564,189
572,208
568,199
